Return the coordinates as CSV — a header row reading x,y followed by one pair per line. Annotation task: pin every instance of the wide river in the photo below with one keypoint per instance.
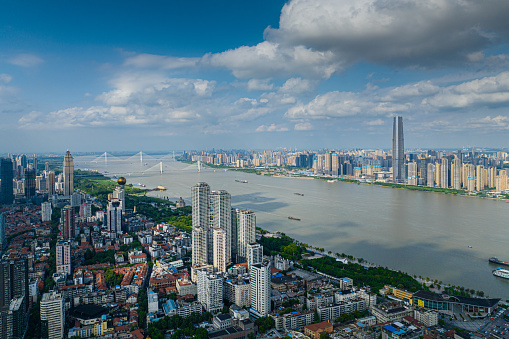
x,y
440,236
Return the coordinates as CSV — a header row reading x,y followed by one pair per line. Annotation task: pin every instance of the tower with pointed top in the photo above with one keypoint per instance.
x,y
68,174
398,150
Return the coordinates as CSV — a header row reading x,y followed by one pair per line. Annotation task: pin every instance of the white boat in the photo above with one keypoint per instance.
x,y
501,273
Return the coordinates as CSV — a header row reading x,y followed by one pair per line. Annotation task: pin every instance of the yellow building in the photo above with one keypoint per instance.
x,y
400,294
438,174
479,178
97,329
501,182
492,177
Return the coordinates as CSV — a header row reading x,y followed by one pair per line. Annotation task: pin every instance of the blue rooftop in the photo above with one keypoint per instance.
x,y
394,330
169,305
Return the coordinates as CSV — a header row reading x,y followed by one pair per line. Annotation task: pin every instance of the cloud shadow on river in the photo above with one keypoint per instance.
x,y
251,198
268,207
257,202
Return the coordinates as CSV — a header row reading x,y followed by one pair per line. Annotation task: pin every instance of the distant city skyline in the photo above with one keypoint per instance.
x,y
306,74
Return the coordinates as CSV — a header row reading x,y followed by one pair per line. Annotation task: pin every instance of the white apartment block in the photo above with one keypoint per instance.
x,y
254,254
46,211
200,241
238,291
260,290
220,250
210,290
246,232
52,314
63,257
221,218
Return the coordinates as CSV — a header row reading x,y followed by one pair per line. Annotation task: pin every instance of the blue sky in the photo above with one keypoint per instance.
x,y
162,75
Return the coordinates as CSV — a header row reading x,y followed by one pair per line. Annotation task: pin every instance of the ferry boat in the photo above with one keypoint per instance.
x,y
494,260
292,218
161,188
501,273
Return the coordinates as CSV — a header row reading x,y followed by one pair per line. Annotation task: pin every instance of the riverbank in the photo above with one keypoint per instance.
x,y
341,265
286,173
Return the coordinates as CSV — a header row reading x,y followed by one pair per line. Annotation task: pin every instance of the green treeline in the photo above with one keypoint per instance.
x,y
264,324
285,246
93,257
184,326
183,222
421,188
375,277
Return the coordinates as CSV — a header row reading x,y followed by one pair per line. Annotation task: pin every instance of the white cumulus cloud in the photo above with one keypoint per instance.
x,y
259,85
25,60
303,126
271,128
488,90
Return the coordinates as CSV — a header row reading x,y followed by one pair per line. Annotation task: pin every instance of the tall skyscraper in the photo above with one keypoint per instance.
x,y
63,257
221,219
200,194
479,178
456,172
327,168
260,290
470,177
246,231
6,176
335,164
438,174
430,180
398,150
68,174
119,193
50,183
501,182
114,217
444,180
29,183
52,315
67,216
234,238
14,296
211,211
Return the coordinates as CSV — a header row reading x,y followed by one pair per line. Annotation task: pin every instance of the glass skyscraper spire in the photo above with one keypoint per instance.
x,y
398,150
